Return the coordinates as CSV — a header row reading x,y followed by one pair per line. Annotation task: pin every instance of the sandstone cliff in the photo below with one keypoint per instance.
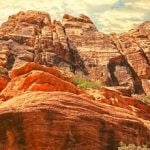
x,y
76,46
40,107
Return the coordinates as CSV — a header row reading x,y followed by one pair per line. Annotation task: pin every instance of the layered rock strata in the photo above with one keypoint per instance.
x,y
77,47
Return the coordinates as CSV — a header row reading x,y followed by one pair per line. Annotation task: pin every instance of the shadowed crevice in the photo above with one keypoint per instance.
x,y
76,60
10,61
12,131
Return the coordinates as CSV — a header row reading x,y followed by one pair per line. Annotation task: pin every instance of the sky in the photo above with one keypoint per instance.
x,y
108,15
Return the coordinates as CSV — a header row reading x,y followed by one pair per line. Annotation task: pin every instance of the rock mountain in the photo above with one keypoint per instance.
x,y
40,108
75,45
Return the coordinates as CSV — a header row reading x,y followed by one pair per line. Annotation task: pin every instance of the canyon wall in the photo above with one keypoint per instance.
x,y
75,46
40,107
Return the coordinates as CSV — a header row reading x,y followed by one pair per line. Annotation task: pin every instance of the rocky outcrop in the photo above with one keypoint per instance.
x,y
34,77
41,109
135,59
4,79
31,36
113,58
94,47
115,97
75,46
61,120
3,82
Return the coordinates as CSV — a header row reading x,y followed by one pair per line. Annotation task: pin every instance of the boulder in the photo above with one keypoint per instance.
x,y
34,77
62,120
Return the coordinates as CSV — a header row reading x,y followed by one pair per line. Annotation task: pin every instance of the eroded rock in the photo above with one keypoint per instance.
x,y
34,77
77,47
61,120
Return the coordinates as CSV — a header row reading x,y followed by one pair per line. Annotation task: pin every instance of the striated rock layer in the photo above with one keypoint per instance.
x,y
61,120
77,47
34,77
41,109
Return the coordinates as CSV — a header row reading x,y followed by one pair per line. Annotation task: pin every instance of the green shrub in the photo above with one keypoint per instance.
x,y
87,83
123,146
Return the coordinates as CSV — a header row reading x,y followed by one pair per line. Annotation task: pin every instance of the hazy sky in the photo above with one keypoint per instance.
x,y
108,15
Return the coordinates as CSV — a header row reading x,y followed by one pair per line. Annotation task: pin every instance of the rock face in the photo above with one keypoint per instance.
x,y
41,109
4,81
31,36
34,77
76,46
60,120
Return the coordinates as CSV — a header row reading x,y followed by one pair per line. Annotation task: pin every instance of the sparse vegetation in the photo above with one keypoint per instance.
x,y
87,83
123,146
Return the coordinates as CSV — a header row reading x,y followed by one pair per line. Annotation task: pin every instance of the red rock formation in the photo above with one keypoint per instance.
x,y
34,77
27,67
75,45
4,52
3,82
32,37
48,112
44,110
94,47
61,120
114,97
135,57
35,116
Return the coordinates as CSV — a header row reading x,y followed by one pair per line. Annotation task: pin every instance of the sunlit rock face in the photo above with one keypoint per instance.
x,y
75,46
34,77
40,108
31,36
62,120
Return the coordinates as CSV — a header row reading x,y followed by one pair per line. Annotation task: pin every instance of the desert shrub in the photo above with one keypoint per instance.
x,y
87,83
123,146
